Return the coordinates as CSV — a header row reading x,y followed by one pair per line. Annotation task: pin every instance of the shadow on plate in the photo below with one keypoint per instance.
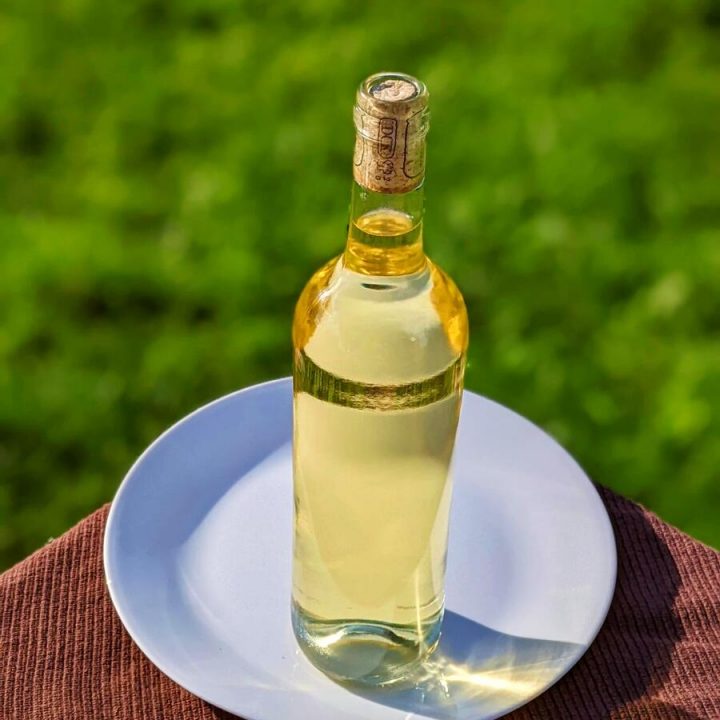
x,y
476,672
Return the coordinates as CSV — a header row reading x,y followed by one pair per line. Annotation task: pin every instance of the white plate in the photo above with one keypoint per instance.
x,y
198,555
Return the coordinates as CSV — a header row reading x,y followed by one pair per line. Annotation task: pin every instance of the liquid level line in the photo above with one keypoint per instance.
x,y
323,385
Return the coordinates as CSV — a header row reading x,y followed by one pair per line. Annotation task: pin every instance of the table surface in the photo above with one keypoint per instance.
x,y
64,653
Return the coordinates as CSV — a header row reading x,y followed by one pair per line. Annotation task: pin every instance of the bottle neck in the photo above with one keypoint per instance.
x,y
385,232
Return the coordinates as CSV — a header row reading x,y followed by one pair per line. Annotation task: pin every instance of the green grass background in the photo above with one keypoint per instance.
x,y
172,171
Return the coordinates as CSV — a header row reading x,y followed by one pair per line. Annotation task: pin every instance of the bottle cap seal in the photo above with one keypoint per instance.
x,y
391,121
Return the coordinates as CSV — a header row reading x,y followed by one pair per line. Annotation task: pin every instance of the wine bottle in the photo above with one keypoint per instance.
x,y
380,335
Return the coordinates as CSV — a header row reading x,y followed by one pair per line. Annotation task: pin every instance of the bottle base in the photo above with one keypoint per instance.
x,y
360,652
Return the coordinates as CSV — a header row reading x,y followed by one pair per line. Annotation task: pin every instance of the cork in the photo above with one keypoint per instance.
x,y
391,121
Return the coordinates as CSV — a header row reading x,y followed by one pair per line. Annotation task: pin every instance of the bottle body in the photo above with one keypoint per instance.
x,y
378,380
379,336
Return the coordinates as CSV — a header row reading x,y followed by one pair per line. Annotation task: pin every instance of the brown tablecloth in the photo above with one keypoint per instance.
x,y
65,656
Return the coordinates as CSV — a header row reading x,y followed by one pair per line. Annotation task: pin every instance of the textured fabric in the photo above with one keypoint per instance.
x,y
65,656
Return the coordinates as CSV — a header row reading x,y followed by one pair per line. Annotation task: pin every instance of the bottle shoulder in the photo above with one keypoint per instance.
x,y
389,326
312,303
450,304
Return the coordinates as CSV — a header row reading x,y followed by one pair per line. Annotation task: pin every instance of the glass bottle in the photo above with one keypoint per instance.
x,y
380,336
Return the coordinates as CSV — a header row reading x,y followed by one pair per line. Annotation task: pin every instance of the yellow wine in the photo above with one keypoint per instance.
x,y
380,336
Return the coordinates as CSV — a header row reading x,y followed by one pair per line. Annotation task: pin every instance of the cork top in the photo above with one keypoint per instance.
x,y
393,89
391,120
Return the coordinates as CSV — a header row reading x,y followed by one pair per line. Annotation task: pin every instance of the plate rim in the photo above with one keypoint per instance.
x,y
285,380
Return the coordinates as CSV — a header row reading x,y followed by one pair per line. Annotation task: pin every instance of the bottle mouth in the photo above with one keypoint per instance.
x,y
392,95
393,88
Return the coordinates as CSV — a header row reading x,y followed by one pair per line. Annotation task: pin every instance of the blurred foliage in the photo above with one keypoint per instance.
x,y
172,171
